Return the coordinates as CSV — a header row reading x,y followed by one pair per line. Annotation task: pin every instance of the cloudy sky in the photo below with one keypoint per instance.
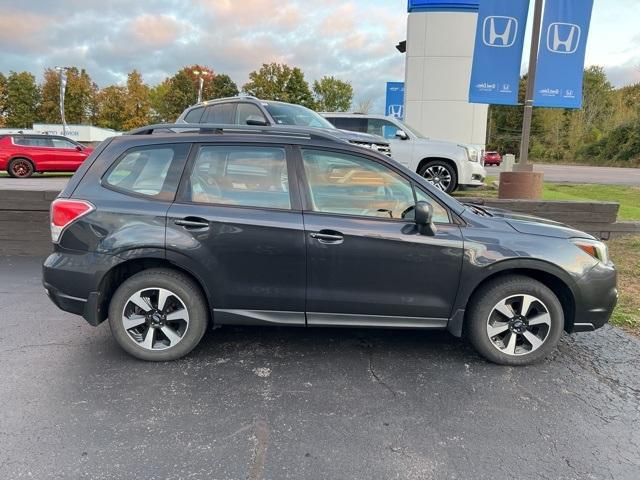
x,y
353,40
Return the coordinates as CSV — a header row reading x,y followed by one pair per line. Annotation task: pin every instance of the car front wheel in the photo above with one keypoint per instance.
x,y
158,315
441,175
514,320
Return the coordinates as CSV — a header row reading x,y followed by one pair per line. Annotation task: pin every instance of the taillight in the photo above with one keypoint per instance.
x,y
64,212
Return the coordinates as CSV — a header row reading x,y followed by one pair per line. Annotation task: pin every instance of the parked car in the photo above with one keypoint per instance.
x,y
247,110
23,155
446,165
492,158
166,233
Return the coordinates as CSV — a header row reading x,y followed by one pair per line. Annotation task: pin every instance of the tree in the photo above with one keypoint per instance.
x,y
137,107
49,110
280,82
111,104
332,95
3,98
22,98
157,99
180,93
80,97
363,104
222,86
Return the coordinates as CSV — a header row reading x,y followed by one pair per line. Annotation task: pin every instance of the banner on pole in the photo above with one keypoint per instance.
x,y
395,100
563,41
497,57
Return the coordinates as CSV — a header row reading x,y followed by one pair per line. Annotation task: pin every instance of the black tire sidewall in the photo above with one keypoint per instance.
x,y
188,291
10,168
454,177
486,298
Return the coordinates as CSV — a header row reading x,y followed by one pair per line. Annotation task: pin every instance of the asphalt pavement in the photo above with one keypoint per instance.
x,y
254,403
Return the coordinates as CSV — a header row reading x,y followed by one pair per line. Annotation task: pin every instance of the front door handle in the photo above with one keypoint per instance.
x,y
193,223
328,236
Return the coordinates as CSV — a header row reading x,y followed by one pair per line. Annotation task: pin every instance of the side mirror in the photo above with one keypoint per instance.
x,y
256,120
424,218
79,148
402,135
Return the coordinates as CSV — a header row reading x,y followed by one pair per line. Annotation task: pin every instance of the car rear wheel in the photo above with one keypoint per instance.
x,y
514,320
20,168
441,175
158,315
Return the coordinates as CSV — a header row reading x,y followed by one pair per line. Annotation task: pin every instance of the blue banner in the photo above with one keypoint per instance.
x,y
563,41
395,100
497,57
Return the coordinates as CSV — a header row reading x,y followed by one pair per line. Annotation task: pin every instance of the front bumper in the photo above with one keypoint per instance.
x,y
472,174
597,299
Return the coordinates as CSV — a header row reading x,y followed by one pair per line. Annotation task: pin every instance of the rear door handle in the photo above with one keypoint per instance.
x,y
328,236
191,223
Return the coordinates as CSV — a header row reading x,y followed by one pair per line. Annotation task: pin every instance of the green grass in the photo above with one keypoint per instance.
x,y
625,253
627,197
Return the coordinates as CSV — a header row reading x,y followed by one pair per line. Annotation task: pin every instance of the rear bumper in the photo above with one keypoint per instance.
x,y
72,282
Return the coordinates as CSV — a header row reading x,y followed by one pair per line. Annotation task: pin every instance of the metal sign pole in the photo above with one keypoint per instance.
x,y
523,165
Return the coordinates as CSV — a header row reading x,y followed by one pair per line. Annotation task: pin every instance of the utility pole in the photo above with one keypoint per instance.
x,y
62,71
523,164
200,75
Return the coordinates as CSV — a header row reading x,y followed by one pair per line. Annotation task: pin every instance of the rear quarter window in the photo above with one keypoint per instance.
x,y
194,115
151,171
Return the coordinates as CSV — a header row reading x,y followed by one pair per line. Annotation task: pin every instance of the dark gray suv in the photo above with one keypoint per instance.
x,y
167,233
248,110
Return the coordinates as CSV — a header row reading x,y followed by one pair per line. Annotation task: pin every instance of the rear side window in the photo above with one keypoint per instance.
x,y
221,113
153,171
248,111
353,124
250,176
194,115
33,141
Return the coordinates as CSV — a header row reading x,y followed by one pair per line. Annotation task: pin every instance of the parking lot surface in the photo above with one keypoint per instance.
x,y
253,403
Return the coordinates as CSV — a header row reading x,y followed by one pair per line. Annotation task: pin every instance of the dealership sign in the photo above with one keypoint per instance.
x,y
395,100
495,75
563,41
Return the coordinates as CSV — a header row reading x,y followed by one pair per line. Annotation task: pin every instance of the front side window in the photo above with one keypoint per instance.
x,y
288,114
248,111
383,128
62,143
352,185
148,170
250,176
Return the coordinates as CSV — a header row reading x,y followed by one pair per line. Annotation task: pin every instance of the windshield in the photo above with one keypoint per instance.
x,y
287,114
409,129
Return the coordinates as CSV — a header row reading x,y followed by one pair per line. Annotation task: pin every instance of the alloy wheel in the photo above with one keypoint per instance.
x,y
21,168
438,176
519,324
155,318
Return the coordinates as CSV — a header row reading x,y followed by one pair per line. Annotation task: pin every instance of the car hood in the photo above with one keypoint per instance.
x,y
532,225
354,136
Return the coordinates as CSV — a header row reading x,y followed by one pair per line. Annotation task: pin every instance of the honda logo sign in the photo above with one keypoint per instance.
x,y
498,31
396,111
563,38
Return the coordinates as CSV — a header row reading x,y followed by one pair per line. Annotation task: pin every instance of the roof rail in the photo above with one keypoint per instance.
x,y
215,128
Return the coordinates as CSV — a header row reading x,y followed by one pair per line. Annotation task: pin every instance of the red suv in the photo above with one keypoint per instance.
x,y
492,158
22,155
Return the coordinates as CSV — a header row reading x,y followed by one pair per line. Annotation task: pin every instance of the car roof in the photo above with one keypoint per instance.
x,y
356,115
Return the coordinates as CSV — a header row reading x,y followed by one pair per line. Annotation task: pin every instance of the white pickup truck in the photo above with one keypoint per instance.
x,y
447,165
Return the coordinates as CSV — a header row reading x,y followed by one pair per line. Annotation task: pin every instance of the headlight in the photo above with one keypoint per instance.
x,y
596,249
472,153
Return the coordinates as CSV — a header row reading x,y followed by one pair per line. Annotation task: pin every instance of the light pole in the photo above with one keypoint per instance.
x,y
200,74
62,71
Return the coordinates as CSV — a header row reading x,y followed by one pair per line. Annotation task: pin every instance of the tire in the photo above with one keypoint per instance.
x,y
184,317
434,173
537,339
20,168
